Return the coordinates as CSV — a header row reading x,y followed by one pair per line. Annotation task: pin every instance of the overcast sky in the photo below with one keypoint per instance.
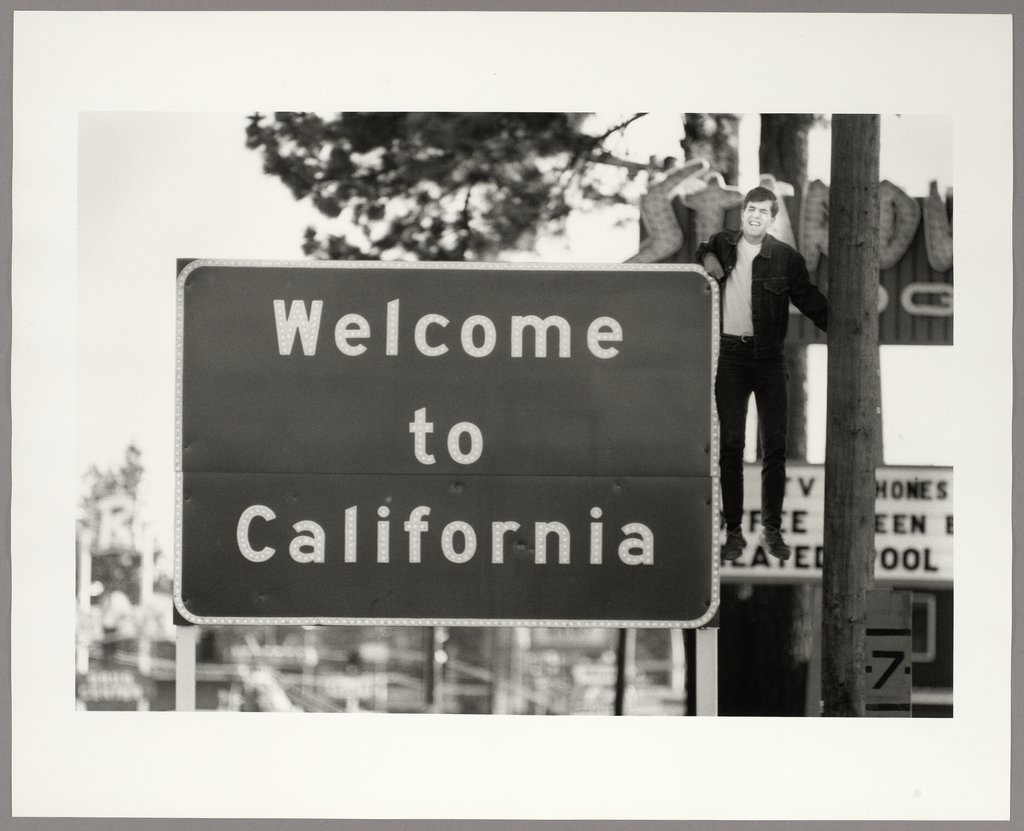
x,y
154,187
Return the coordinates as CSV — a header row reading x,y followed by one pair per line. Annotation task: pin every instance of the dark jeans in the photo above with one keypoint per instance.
x,y
739,375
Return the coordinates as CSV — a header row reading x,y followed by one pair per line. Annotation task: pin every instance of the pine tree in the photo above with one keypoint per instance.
x,y
440,186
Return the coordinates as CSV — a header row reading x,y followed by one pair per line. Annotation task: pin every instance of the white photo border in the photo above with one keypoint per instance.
x,y
502,767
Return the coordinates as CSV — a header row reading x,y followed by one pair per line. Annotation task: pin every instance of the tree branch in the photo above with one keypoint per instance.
x,y
599,139
586,153
464,218
615,161
582,153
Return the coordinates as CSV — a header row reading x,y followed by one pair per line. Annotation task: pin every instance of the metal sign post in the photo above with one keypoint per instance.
x,y
707,671
185,668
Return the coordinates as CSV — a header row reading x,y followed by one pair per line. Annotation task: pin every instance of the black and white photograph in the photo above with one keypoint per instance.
x,y
514,424
458,193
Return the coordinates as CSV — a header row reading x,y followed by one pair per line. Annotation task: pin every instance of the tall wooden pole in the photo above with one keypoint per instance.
x,y
851,436
782,153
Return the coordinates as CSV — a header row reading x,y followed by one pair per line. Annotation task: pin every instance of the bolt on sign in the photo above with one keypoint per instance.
x,y
477,444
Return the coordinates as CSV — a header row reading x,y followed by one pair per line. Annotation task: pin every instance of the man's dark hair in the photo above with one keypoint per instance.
x,y
760,194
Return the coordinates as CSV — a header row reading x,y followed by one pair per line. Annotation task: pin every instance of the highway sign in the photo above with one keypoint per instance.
x,y
446,444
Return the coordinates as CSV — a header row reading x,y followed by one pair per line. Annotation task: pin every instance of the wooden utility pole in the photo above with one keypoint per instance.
x,y
851,437
783,154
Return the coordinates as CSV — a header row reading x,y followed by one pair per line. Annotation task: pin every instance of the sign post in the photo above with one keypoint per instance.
x,y
707,671
446,444
185,668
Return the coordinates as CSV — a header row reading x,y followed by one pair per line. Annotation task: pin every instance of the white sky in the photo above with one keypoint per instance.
x,y
154,187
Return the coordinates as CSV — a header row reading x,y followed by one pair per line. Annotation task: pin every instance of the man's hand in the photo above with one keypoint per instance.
x,y
713,267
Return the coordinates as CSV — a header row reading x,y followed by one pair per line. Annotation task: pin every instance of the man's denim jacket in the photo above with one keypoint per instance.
x,y
779,275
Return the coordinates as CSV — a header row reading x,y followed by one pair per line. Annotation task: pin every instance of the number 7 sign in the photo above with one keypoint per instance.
x,y
887,650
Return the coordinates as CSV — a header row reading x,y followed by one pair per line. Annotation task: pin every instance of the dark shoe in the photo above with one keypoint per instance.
x,y
771,540
734,544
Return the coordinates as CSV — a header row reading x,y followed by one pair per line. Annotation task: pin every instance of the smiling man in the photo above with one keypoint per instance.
x,y
759,275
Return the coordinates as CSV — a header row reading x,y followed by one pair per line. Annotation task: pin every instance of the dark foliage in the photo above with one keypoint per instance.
x,y
435,186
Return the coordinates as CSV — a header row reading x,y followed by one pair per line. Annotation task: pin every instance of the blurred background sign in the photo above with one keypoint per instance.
x,y
913,527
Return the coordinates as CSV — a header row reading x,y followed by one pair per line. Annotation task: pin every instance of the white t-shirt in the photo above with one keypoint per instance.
x,y
737,318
